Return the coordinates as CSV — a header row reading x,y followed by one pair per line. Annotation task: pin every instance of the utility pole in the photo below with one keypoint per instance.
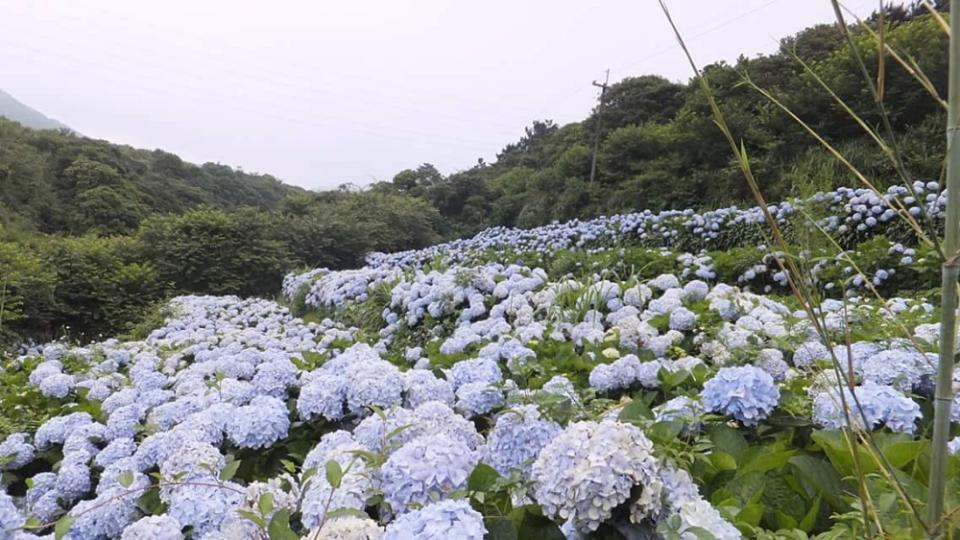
x,y
599,124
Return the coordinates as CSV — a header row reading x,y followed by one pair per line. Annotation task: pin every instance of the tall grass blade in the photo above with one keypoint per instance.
x,y
951,266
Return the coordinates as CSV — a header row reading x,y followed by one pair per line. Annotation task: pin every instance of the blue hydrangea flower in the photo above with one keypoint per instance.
x,y
10,516
123,422
954,445
424,468
809,353
591,468
880,404
105,516
317,455
700,514
746,393
116,449
375,382
438,521
681,409
900,369
110,477
73,479
348,528
203,507
57,385
474,399
15,452
356,485
57,429
162,527
517,437
41,497
322,396
274,377
624,373
483,370
192,460
421,386
170,414
260,424
682,319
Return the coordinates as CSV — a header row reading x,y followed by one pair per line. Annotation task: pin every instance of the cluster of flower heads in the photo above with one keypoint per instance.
x,y
848,211
224,374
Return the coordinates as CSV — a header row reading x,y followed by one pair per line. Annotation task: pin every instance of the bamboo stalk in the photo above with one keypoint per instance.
x,y
951,267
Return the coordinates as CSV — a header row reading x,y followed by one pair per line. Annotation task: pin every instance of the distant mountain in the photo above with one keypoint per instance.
x,y
14,110
61,182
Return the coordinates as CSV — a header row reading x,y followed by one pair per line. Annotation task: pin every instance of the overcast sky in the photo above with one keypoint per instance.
x,y
320,93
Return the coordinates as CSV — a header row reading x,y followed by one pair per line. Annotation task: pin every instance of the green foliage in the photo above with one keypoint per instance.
x,y
212,251
60,182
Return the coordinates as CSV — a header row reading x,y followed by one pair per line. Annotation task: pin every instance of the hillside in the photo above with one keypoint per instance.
x,y
659,147
12,109
61,182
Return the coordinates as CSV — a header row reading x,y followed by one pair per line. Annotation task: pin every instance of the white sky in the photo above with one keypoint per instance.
x,y
319,93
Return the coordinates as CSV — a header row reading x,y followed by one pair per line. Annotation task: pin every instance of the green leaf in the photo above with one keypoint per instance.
x,y
665,432
230,470
150,504
125,479
764,460
500,528
346,512
334,473
728,440
901,453
531,523
699,533
279,527
823,479
785,521
397,431
810,519
723,461
62,527
288,465
635,413
253,517
483,478
265,504
751,514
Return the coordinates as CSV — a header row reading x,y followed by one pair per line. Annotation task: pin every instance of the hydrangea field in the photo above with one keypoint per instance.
x,y
634,376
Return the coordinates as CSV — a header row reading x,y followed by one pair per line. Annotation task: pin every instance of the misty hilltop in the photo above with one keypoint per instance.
x,y
12,109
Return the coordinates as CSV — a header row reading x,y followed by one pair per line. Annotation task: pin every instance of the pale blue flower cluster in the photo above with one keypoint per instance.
x,y
517,438
746,393
624,373
356,484
591,468
681,409
478,398
15,452
162,527
426,468
438,521
879,405
260,424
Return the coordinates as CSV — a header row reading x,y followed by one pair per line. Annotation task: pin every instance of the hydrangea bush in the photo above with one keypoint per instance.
x,y
583,378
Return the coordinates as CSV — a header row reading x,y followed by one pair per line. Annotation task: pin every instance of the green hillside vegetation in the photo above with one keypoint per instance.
x,y
93,234
660,149
60,182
